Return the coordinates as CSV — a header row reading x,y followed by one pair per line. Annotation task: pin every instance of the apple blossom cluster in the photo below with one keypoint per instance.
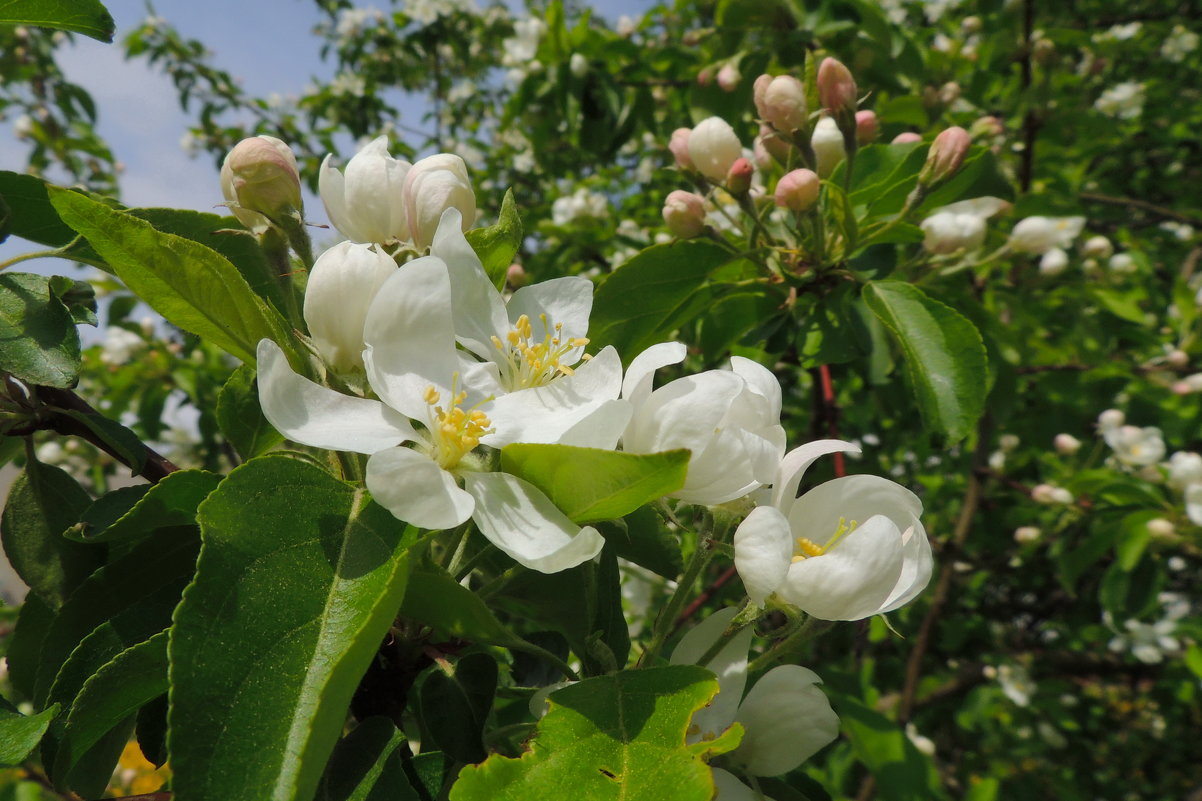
x,y
1143,449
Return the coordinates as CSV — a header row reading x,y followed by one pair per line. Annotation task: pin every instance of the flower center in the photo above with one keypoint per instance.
x,y
807,548
528,362
453,431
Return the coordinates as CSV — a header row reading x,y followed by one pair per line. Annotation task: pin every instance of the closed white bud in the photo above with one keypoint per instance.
x,y
1177,358
781,102
1027,534
798,190
827,142
1051,495
713,148
1110,420
364,201
260,180
1054,262
1097,247
578,65
1008,442
684,214
341,286
1185,468
1122,264
947,232
1160,528
1066,444
433,185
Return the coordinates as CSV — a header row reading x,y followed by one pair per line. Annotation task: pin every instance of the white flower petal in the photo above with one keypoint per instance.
x,y
409,338
786,719
601,428
817,514
544,414
853,579
729,665
763,552
520,520
375,202
314,415
340,289
729,788
332,188
477,310
917,565
415,489
796,462
566,301
1193,503
761,381
684,413
641,372
720,469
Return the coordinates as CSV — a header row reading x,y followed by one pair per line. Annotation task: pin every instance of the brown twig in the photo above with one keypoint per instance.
x,y
1094,197
705,595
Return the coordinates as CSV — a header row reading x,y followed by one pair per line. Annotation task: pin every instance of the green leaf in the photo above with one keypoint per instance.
x,y
590,484
902,773
653,294
367,766
945,357
42,502
617,736
437,600
191,285
240,417
33,217
88,17
39,343
78,296
137,511
20,734
454,708
497,244
125,443
641,539
25,644
299,579
113,695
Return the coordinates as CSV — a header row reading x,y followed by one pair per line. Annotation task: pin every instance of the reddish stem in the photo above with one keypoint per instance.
x,y
706,594
832,414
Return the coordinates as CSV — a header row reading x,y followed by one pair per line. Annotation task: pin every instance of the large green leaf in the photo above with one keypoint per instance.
x,y
38,339
436,599
591,484
134,512
640,538
620,736
454,707
240,416
367,766
32,216
191,285
42,502
299,578
110,697
88,17
497,244
945,357
653,294
20,734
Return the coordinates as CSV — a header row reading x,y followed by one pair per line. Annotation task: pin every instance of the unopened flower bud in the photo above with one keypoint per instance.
x,y
772,145
906,138
1189,385
1110,420
1027,534
1048,494
949,93
867,126
781,102
1177,358
713,147
1040,234
1066,444
1160,528
836,87
1098,247
970,25
1054,262
1008,442
1122,264
679,145
988,126
946,156
684,214
260,180
516,276
341,286
827,142
705,77
433,185
365,201
729,77
578,65
798,190
738,177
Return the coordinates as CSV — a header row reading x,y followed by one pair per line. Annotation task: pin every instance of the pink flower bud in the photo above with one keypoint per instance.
x,y
713,147
705,77
798,190
259,177
770,145
946,155
757,92
1066,444
516,276
906,138
684,214
867,126
679,145
729,77
781,103
738,177
836,87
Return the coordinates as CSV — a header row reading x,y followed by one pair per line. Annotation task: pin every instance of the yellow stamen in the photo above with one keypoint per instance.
x,y
529,362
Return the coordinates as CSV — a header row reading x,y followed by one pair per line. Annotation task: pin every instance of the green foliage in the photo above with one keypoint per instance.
x,y
367,766
241,418
88,17
135,512
589,484
20,734
498,244
619,736
263,686
38,340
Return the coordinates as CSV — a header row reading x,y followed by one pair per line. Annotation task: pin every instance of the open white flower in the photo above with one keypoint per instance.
x,y
365,201
1038,235
848,549
786,719
729,419
414,366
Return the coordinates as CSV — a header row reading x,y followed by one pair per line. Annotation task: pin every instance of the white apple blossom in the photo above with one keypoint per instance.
x,y
1038,235
1124,101
848,549
827,142
1054,262
1179,44
341,286
729,419
1135,446
786,719
414,365
959,226
435,184
364,201
1185,468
